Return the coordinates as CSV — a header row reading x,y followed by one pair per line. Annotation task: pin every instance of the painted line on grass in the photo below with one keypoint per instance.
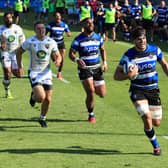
x,y
61,79
165,137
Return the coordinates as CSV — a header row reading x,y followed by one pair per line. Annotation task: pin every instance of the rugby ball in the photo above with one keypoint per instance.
x,y
127,65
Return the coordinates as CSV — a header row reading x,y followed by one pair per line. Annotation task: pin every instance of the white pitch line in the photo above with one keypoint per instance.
x,y
166,137
61,79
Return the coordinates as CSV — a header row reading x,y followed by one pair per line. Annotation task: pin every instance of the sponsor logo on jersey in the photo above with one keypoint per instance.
x,y
41,54
147,66
11,38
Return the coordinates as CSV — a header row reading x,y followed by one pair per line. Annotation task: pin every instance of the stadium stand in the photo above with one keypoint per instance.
x,y
10,3
6,3
3,4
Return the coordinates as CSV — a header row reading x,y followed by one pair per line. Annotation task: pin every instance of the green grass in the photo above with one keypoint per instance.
x,y
115,141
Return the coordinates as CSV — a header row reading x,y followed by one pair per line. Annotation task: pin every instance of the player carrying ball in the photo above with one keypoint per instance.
x,y
144,91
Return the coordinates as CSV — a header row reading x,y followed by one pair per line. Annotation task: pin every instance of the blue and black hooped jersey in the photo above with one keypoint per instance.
x,y
57,30
136,11
148,77
88,48
162,14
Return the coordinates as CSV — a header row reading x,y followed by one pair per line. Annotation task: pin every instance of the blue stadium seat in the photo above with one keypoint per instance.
x,y
11,3
3,4
34,3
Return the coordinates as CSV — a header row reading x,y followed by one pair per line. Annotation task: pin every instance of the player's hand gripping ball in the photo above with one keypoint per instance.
x,y
130,68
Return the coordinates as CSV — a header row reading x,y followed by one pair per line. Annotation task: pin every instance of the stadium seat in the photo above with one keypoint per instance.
x,y
3,4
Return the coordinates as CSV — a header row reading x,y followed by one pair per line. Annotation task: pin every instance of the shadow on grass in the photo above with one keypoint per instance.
x,y
71,150
36,119
46,130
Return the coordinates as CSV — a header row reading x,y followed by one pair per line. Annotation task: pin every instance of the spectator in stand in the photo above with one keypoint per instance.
x,y
38,9
26,6
18,10
118,13
136,8
60,5
85,11
110,16
100,18
148,13
162,13
126,20
94,5
79,3
70,8
51,6
8,3
45,9
76,12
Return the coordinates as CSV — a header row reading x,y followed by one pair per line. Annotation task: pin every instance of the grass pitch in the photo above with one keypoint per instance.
x,y
115,141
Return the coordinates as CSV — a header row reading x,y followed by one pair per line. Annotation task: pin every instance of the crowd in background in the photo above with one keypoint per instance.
x,y
110,17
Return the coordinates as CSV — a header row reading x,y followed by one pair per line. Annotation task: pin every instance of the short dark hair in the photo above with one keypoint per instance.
x,y
56,12
38,22
7,13
137,32
84,20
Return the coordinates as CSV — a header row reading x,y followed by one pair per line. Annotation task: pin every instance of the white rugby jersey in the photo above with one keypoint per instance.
x,y
13,37
40,52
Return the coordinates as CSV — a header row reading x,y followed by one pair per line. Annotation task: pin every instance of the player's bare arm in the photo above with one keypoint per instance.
x,y
120,75
69,34
56,57
164,65
104,58
2,43
72,56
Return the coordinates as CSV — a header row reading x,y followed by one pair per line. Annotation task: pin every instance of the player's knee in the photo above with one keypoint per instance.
x,y
156,123
40,98
48,99
90,91
90,95
100,90
102,94
143,109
